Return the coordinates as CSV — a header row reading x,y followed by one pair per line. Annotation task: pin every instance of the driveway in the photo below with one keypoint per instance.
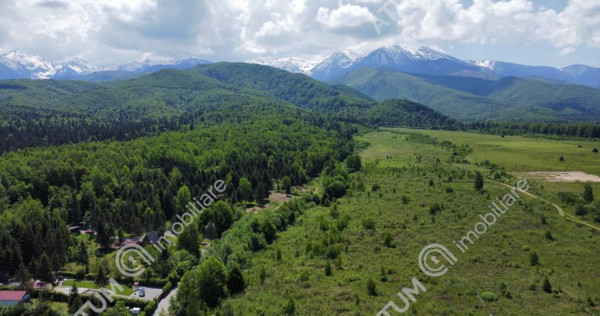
x,y
151,293
163,306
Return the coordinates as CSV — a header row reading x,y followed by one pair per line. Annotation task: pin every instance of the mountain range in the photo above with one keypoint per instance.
x,y
18,65
428,61
408,59
477,99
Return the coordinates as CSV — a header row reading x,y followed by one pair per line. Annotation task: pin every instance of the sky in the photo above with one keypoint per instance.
x,y
110,32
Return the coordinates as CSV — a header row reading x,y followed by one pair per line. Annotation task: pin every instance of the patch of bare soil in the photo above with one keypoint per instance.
x,y
274,197
560,176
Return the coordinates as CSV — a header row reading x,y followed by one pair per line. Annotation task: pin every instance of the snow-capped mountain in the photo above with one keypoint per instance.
x,y
291,64
335,65
74,68
409,59
155,65
421,60
19,65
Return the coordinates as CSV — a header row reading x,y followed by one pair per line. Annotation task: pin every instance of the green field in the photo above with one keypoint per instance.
x,y
412,168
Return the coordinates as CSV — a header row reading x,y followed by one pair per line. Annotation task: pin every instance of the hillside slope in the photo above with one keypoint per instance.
x,y
471,99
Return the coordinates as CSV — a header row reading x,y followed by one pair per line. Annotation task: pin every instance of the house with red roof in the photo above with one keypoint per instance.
x,y
8,298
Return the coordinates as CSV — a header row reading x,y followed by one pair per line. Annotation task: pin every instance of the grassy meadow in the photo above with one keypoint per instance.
x,y
413,191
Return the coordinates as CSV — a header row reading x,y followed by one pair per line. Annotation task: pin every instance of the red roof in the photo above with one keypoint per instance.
x,y
12,295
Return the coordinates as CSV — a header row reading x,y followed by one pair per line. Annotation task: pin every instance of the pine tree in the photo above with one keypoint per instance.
x,y
478,181
588,193
328,269
534,259
371,287
235,279
547,287
44,268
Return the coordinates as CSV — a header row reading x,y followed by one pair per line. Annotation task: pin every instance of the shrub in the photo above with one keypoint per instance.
x,y
478,184
580,210
235,279
328,269
304,276
489,296
534,259
290,307
387,240
405,200
371,287
151,307
549,235
547,287
434,209
588,193
353,163
368,223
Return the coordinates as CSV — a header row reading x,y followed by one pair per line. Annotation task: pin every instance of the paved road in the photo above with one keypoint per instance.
x,y
163,306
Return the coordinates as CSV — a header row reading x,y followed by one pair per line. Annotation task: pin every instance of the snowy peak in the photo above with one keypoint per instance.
x,y
489,64
30,66
343,59
191,62
291,64
150,65
335,65
412,53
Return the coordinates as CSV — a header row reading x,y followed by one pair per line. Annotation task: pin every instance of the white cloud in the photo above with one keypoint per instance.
x,y
114,31
346,16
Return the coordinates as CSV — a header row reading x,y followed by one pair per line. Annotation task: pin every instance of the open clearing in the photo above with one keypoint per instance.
x,y
554,176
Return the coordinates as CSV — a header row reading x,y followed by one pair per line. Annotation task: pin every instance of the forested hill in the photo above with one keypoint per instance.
x,y
295,88
508,99
137,186
40,113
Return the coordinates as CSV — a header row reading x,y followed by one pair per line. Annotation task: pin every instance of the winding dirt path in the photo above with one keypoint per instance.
x,y
558,208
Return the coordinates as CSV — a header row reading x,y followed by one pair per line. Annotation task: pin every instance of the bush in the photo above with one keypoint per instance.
x,y
328,269
580,210
368,223
371,287
588,193
151,307
354,163
405,200
534,259
478,184
290,307
489,296
434,209
166,290
547,287
387,240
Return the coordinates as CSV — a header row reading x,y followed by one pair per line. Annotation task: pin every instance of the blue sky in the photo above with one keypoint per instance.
x,y
108,32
